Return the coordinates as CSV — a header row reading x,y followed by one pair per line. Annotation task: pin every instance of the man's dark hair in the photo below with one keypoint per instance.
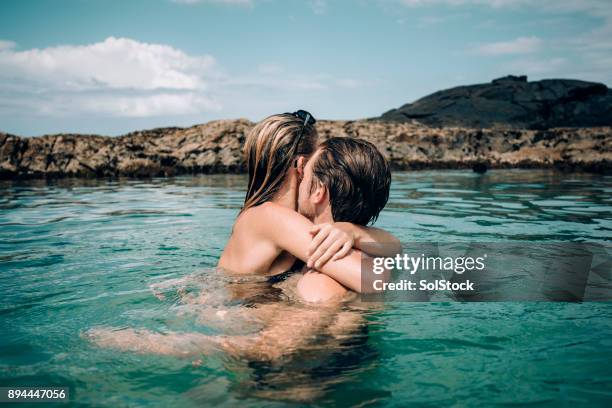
x,y
357,177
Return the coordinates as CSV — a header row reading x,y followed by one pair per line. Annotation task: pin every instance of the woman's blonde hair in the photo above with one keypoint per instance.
x,y
270,150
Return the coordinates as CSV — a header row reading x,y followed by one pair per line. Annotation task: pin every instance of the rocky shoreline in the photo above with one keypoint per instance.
x,y
215,147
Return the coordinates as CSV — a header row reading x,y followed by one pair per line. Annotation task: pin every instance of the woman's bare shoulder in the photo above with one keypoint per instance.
x,y
267,208
267,214
258,220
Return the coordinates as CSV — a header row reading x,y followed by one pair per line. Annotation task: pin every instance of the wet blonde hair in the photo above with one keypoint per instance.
x,y
270,150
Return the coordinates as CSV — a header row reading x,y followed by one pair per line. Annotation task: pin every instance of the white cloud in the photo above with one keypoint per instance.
x,y
116,105
521,45
7,45
150,105
125,78
319,6
115,77
115,63
349,83
270,69
537,67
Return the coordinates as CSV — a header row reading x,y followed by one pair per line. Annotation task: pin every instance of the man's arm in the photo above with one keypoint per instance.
x,y
371,241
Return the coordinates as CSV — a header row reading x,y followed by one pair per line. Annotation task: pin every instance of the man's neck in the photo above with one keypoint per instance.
x,y
324,215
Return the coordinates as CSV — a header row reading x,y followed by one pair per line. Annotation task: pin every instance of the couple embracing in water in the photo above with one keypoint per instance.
x,y
306,210
309,202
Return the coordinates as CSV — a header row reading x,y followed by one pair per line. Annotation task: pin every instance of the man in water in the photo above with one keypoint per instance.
x,y
346,181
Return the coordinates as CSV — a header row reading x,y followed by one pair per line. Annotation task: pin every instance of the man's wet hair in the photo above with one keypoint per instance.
x,y
357,177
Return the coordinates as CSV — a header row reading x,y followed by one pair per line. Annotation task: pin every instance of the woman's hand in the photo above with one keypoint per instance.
x,y
330,241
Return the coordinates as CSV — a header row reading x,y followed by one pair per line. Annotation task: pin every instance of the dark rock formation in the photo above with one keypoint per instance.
x,y
512,102
216,147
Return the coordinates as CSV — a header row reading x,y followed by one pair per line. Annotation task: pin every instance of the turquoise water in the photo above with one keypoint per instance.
x,y
82,254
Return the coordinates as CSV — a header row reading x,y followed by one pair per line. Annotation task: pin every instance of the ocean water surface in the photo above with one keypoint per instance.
x,y
80,254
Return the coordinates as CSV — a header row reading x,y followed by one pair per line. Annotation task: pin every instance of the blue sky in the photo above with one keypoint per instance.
x,y
109,67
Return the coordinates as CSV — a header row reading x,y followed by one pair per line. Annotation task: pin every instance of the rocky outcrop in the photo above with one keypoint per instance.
x,y
513,102
215,147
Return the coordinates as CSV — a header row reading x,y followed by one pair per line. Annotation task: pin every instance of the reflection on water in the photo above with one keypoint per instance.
x,y
77,254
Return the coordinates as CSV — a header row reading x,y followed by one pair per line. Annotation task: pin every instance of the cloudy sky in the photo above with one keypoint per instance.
x,y
109,67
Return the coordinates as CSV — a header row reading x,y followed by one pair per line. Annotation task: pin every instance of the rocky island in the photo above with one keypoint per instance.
x,y
513,102
565,125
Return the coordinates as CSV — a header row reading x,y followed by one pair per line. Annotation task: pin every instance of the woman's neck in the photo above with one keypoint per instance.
x,y
287,194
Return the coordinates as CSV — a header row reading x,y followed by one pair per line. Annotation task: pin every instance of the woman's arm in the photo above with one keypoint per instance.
x,y
290,232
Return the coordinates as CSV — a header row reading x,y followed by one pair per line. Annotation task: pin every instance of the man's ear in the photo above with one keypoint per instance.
x,y
319,193
299,164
